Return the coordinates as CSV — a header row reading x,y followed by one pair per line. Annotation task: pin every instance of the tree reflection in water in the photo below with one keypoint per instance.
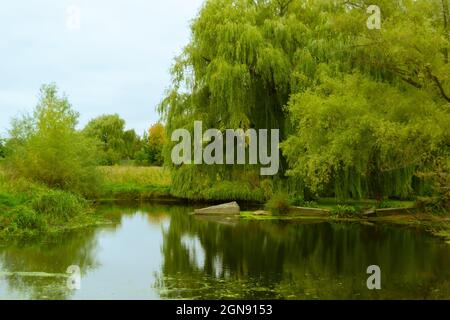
x,y
223,259
51,255
293,260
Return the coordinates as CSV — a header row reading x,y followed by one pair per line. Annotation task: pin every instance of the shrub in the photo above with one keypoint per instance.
x,y
278,204
386,205
26,218
343,211
59,205
299,201
437,204
46,148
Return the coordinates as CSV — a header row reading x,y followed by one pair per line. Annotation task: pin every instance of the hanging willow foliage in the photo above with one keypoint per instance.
x,y
359,109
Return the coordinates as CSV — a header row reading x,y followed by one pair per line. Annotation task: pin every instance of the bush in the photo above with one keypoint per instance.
x,y
299,201
46,148
343,211
437,204
26,218
59,205
386,205
278,204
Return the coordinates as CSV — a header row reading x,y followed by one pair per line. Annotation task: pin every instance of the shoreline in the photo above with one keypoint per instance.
x,y
436,225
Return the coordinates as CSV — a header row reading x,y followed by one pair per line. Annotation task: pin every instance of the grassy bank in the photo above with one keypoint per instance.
x,y
134,183
28,208
151,183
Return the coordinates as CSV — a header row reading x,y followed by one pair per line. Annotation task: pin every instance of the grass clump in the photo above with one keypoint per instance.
x,y
59,205
27,207
23,217
301,202
345,211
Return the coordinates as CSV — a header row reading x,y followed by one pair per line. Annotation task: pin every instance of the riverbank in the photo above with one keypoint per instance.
x,y
134,183
29,208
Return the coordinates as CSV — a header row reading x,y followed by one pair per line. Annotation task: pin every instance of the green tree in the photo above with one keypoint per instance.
x,y
258,63
132,144
362,137
370,109
109,130
156,142
2,148
233,74
45,147
153,144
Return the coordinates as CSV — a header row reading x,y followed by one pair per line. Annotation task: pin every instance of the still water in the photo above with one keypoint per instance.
x,y
163,252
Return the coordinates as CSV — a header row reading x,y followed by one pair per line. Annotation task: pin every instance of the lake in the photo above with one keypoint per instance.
x,y
157,251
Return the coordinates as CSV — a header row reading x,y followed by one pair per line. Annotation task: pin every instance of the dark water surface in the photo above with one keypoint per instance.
x,y
162,252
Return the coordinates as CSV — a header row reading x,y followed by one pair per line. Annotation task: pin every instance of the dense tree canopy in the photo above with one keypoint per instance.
x,y
363,110
109,130
152,146
46,147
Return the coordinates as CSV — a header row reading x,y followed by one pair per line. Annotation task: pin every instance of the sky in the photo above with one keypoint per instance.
x,y
107,56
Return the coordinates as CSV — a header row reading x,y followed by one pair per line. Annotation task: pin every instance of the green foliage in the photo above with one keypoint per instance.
x,y
27,208
387,205
299,201
366,109
193,184
267,187
135,183
132,144
345,211
46,147
153,144
278,204
115,143
59,205
136,175
2,148
26,218
365,137
134,192
436,204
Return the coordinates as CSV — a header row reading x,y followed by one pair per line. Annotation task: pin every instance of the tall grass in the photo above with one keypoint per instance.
x,y
136,175
27,207
135,183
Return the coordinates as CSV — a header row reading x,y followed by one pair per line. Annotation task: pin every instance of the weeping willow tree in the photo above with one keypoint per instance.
x,y
350,102
361,137
372,111
235,73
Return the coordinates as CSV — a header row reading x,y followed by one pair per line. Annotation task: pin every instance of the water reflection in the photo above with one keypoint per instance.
x,y
156,251
288,260
51,255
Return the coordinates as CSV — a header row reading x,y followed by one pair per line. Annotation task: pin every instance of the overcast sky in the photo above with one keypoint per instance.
x,y
115,60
